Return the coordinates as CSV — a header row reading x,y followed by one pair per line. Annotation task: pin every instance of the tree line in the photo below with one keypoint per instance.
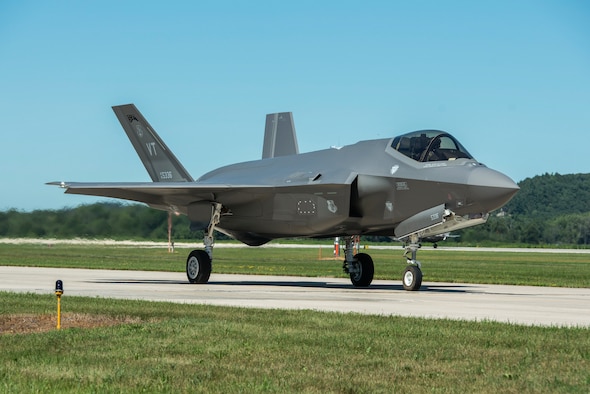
x,y
100,220
549,209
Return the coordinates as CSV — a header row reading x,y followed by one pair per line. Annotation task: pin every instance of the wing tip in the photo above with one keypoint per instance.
x,y
61,184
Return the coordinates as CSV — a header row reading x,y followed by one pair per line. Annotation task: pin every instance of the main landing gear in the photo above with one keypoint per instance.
x,y
412,277
359,266
361,269
198,264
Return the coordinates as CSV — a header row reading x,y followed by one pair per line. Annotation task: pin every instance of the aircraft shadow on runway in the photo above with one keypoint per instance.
x,y
443,288
139,281
328,285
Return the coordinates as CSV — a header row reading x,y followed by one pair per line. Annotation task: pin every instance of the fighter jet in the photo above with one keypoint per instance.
x,y
408,187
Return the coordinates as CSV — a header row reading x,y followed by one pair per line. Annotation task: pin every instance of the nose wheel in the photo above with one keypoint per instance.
x,y
412,277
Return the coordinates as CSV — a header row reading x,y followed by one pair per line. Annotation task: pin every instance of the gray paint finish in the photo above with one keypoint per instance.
x,y
415,185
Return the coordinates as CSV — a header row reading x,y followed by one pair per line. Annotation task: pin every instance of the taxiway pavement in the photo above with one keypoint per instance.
x,y
547,306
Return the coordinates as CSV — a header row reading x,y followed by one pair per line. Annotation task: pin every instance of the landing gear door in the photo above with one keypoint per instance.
x,y
421,221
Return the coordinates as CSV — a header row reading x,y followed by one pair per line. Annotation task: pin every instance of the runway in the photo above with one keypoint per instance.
x,y
546,306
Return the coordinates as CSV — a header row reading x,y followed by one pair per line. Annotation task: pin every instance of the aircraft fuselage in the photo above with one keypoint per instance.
x,y
366,188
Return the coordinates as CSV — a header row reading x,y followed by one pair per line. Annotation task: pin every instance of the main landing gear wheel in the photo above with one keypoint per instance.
x,y
198,264
362,275
412,278
198,267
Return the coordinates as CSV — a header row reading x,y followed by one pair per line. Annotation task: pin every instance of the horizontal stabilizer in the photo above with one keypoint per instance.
x,y
279,136
159,161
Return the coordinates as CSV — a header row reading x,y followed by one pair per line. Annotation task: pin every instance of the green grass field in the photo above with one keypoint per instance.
x,y
536,269
164,347
193,348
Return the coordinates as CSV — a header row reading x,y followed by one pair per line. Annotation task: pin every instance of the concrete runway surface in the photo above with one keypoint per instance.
x,y
547,306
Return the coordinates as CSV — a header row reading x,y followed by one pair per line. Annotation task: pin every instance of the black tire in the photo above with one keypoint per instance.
x,y
198,267
412,278
367,270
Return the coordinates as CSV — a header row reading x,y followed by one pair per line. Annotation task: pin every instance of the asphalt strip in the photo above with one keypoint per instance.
x,y
528,305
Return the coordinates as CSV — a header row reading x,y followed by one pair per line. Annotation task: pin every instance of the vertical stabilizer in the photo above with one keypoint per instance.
x,y
279,136
159,161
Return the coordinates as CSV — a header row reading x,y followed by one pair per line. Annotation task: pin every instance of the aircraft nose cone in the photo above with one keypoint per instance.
x,y
490,188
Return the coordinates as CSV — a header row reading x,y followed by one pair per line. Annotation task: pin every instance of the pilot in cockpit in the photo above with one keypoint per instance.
x,y
430,145
432,153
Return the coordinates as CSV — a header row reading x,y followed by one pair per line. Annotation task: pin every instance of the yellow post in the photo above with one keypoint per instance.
x,y
59,312
59,290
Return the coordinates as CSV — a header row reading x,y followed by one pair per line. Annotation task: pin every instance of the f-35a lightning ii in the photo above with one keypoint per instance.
x,y
409,187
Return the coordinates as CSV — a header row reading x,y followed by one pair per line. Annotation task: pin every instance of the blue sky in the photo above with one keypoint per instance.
x,y
509,79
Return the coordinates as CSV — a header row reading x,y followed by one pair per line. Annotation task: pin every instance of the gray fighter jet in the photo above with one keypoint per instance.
x,y
412,186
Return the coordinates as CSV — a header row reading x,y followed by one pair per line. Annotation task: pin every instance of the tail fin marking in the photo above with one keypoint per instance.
x,y
157,158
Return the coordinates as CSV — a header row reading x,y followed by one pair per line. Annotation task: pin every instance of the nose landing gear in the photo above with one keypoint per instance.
x,y
412,276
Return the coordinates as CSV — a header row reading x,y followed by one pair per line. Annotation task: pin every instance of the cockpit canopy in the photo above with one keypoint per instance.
x,y
430,145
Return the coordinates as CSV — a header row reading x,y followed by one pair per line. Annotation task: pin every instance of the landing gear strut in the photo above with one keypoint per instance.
x,y
359,266
198,263
412,277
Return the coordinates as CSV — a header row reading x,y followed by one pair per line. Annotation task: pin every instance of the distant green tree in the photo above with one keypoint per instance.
x,y
550,195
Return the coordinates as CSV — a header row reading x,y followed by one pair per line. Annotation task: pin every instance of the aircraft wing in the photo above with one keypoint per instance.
x,y
177,196
156,194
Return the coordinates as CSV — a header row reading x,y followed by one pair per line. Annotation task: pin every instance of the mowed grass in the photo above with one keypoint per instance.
x,y
196,348
531,268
